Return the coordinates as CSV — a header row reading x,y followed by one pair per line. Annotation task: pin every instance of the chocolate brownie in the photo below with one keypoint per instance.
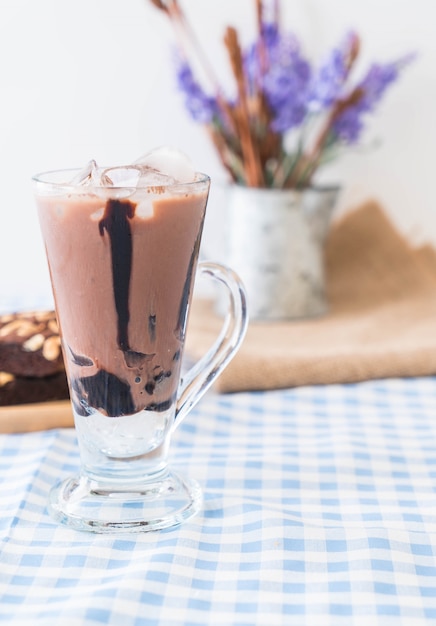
x,y
31,363
28,389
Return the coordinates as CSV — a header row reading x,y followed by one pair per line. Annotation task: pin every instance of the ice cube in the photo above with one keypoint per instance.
x,y
144,208
121,176
97,215
170,162
134,176
149,176
89,175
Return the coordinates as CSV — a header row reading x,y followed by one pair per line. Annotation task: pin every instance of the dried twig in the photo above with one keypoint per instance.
x,y
254,172
160,5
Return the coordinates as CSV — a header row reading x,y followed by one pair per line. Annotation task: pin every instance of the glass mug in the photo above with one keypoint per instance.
x,y
122,262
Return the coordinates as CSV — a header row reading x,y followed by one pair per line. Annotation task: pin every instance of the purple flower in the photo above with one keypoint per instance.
x,y
284,79
375,83
349,125
270,34
328,82
202,107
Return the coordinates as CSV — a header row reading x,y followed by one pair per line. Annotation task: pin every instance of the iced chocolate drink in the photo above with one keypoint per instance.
x,y
122,246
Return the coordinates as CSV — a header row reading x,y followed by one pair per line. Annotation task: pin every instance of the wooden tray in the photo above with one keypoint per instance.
x,y
26,418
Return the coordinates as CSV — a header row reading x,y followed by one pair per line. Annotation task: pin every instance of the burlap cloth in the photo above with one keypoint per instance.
x,y
381,320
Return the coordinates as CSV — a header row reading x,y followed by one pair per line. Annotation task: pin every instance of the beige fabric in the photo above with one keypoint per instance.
x,y
381,322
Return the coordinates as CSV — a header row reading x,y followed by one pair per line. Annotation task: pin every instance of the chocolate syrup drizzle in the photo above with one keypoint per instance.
x,y
105,390
116,222
183,309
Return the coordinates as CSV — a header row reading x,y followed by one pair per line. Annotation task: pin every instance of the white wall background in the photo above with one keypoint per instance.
x,y
92,79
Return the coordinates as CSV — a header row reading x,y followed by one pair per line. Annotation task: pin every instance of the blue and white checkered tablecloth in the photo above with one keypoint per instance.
x,y
320,509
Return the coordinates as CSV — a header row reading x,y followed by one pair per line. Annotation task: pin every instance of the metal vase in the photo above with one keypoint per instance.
x,y
276,244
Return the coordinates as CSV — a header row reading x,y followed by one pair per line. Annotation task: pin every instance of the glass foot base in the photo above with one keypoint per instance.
x,y
86,504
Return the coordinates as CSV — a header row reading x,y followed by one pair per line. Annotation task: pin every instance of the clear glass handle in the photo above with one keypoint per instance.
x,y
202,375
